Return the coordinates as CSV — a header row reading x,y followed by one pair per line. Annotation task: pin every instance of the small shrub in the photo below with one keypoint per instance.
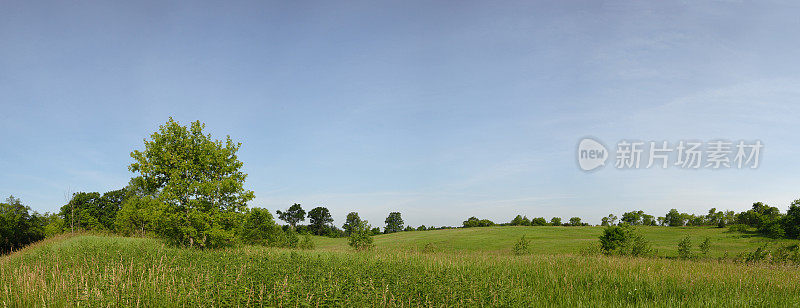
x,y
738,228
705,245
624,240
760,254
287,238
361,236
429,248
521,247
685,248
307,242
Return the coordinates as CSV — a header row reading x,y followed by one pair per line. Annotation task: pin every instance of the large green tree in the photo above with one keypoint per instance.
x,y
198,179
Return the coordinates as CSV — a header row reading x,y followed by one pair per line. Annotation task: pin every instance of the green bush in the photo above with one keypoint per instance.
x,y
705,246
742,228
361,236
685,248
259,228
288,238
307,243
624,240
522,246
429,248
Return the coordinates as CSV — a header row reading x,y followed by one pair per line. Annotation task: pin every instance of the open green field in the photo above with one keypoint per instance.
x,y
461,267
553,240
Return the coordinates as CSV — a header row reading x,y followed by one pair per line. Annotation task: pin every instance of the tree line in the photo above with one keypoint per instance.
x,y
189,189
765,219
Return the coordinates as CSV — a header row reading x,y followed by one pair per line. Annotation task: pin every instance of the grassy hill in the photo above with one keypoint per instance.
x,y
468,267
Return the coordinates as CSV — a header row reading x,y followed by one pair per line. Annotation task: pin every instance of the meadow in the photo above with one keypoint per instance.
x,y
442,268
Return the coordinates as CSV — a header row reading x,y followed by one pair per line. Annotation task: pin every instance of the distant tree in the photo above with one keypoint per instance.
x,y
409,228
791,223
350,222
696,220
421,228
674,218
475,222
139,215
375,231
766,219
686,218
320,219
712,218
53,224
575,221
632,218
556,221
360,236
661,220
199,179
730,217
18,226
648,220
517,221
609,220
293,215
394,223
83,211
471,222
109,205
538,221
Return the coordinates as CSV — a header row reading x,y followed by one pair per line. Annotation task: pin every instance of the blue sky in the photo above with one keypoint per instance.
x,y
439,110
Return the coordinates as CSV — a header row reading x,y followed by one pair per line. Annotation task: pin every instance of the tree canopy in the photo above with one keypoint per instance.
x,y
320,219
198,178
293,215
394,223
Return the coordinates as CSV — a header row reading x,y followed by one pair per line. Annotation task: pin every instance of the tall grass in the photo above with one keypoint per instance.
x,y
115,271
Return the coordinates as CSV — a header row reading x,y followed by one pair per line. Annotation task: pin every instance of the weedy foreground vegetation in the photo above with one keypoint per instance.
x,y
93,270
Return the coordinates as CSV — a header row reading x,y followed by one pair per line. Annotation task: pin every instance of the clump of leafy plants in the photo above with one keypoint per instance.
x,y
624,240
522,246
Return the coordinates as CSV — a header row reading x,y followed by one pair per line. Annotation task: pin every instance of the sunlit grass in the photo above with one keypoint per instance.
x,y
114,271
555,240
